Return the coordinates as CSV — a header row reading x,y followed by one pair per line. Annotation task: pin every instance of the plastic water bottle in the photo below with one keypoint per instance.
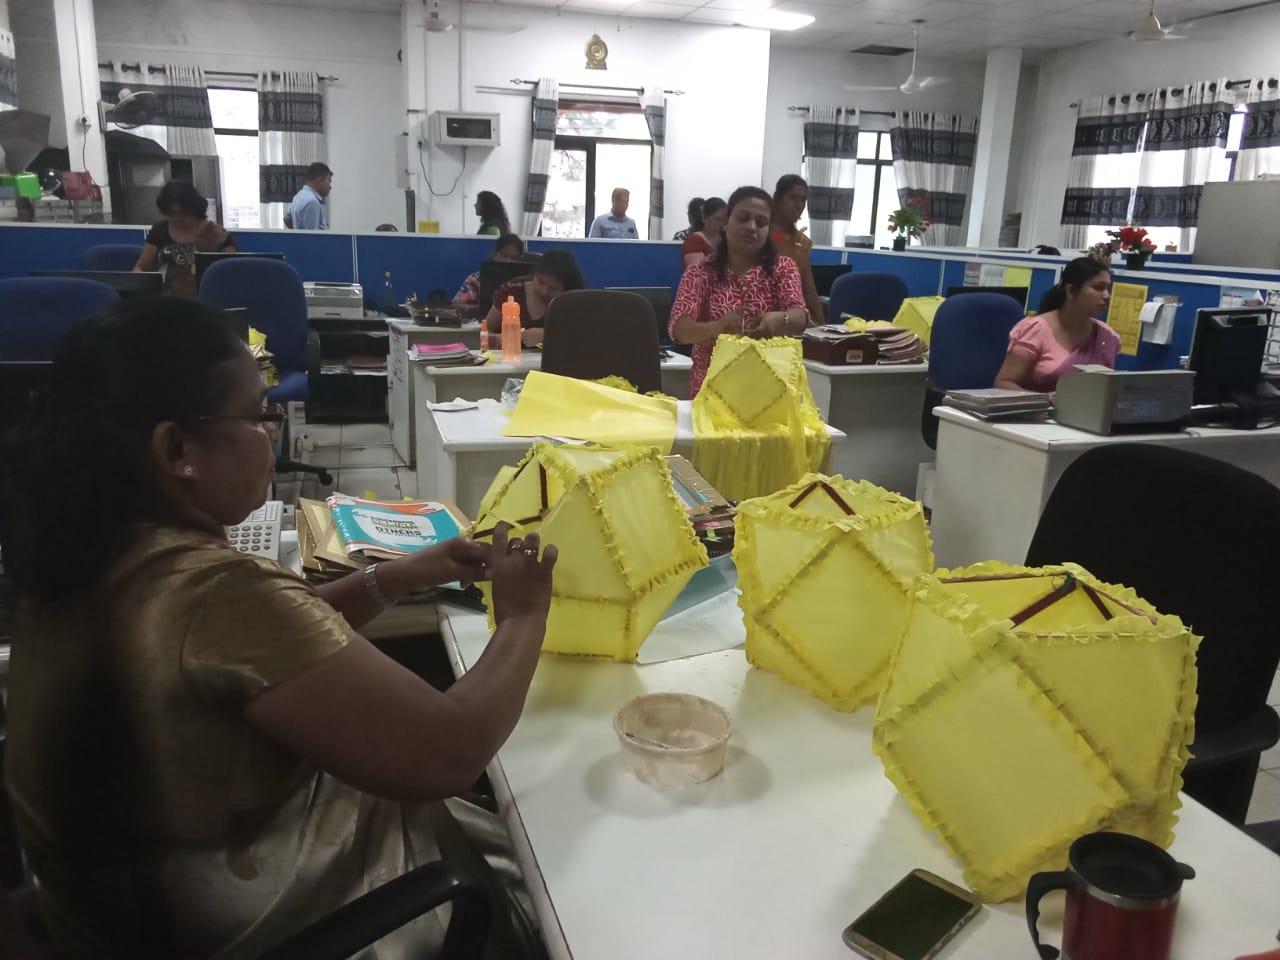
x,y
511,330
484,335
389,293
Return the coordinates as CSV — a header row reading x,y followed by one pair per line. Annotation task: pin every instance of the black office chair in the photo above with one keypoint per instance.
x,y
1197,538
592,334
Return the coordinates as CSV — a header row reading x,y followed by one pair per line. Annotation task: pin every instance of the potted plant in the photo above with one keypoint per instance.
x,y
910,220
1133,242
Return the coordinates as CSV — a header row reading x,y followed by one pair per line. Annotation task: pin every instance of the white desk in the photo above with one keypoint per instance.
x,y
993,479
461,452
404,334
432,384
879,407
771,859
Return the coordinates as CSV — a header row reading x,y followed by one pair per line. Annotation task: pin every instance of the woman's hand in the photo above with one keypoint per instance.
x,y
455,559
772,324
733,322
530,338
521,582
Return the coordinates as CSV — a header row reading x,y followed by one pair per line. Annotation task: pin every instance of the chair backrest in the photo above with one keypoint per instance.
x,y
871,296
1194,536
591,334
966,348
110,256
36,312
271,291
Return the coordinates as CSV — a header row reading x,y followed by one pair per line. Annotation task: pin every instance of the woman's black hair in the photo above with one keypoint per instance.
x,y
710,207
768,252
182,195
115,376
1075,274
695,214
561,265
492,212
786,183
509,240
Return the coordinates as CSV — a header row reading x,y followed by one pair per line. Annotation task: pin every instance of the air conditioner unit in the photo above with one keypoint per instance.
x,y
455,129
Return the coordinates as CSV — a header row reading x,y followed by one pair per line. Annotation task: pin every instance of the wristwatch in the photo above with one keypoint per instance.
x,y
371,586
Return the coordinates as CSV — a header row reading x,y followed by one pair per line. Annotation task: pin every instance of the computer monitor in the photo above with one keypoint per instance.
x,y
237,320
20,382
127,283
1017,293
1227,348
205,260
494,273
660,299
824,275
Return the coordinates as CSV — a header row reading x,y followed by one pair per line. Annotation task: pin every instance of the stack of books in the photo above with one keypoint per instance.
x,y
446,354
710,513
994,403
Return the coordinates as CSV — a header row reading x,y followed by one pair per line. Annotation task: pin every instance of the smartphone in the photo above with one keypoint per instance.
x,y
914,920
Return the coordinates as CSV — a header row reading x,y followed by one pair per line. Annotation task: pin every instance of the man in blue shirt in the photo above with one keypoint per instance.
x,y
616,225
306,211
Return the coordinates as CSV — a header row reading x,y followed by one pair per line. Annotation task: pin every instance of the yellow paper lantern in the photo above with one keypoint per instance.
x,y
555,406
627,548
916,315
1026,707
755,425
824,567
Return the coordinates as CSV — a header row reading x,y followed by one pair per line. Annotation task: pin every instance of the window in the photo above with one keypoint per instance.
x,y
875,191
235,136
598,147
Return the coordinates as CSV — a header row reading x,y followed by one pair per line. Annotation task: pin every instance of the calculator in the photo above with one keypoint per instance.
x,y
258,533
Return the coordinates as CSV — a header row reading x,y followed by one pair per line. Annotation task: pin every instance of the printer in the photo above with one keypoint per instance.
x,y
339,301
1101,400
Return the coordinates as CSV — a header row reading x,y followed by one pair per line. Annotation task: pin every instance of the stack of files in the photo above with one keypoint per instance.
x,y
323,557
710,513
446,354
994,403
898,345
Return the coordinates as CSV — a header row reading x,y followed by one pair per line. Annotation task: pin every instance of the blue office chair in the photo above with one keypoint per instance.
x,y
966,348
871,296
110,256
35,312
271,291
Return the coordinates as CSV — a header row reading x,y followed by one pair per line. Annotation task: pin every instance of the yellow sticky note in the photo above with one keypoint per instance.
x,y
428,226
1124,314
1017,276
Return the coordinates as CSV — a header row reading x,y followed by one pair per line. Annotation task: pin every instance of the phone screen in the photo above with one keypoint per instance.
x,y
912,918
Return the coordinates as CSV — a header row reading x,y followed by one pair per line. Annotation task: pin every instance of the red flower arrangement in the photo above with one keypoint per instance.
x,y
912,218
1131,238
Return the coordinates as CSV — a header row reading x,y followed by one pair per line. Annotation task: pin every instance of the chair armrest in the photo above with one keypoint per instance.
x,y
1257,732
311,355
367,919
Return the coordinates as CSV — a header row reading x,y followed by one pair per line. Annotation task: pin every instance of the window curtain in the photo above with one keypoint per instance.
x,y
546,100
1108,126
933,158
1186,132
290,137
655,115
181,123
1260,141
830,158
8,71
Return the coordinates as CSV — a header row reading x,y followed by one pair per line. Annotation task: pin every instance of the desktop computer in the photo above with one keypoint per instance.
x,y
1227,350
127,283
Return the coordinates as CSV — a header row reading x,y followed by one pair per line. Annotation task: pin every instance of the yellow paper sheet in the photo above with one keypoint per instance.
x,y
1123,317
553,406
1017,277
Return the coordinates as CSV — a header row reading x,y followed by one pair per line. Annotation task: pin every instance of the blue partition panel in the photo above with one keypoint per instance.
x,y
26,247
1194,296
827,255
922,275
419,263
622,263
315,255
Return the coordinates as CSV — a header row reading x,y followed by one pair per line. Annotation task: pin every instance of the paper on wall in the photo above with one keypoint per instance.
x,y
1017,277
991,275
1125,314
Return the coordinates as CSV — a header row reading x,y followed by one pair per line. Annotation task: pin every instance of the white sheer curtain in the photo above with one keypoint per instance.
x,y
290,138
546,101
830,163
8,70
933,157
655,115
1104,159
1260,143
180,121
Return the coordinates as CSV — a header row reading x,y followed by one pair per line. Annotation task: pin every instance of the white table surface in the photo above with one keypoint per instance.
x,y
993,478
774,857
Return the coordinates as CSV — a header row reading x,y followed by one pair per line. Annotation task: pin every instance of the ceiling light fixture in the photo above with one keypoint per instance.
x,y
773,20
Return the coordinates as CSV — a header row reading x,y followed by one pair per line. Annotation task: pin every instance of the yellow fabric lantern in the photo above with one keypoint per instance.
x,y
627,548
755,425
824,567
555,406
916,314
1026,707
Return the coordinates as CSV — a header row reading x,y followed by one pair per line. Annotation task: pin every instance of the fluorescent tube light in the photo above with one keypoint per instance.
x,y
773,20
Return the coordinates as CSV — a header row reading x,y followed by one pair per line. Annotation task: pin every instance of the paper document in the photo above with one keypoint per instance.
x,y
991,275
1125,314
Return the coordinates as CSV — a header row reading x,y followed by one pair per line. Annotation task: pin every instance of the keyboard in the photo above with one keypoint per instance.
x,y
258,533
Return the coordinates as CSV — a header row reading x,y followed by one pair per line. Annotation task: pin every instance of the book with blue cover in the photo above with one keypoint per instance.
x,y
384,530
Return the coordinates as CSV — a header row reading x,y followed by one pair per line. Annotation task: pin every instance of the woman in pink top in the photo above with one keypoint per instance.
x,y
1065,333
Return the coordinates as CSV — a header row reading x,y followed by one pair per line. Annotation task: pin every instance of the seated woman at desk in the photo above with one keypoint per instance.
x,y
555,273
701,243
1064,333
745,288
203,754
172,244
506,247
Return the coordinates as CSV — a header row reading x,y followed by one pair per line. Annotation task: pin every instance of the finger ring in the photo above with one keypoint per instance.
x,y
515,544
530,551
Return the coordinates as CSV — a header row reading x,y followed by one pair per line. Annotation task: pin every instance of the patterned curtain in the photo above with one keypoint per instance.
x,y
1260,141
1105,126
546,101
1186,131
181,123
933,157
830,160
8,71
655,115
290,137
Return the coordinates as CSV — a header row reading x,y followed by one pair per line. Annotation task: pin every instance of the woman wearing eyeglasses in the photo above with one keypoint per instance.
x,y
203,754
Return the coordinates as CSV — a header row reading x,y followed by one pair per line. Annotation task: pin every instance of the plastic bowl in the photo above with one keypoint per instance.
x,y
672,739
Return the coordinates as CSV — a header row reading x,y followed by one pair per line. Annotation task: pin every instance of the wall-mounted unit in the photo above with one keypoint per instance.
x,y
456,129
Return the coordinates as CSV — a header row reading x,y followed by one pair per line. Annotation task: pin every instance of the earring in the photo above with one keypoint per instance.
x,y
188,471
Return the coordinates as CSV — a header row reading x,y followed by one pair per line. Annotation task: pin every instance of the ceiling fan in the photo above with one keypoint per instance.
x,y
433,22
1150,30
914,83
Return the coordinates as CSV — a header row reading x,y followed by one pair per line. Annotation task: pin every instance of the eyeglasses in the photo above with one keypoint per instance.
x,y
270,417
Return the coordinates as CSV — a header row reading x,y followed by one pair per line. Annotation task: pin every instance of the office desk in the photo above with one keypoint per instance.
x,y
879,407
772,858
461,452
993,479
404,334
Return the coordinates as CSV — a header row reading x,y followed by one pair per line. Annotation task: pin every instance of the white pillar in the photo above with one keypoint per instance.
x,y
414,72
995,134
78,69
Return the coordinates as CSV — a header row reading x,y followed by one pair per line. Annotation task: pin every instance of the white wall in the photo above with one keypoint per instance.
x,y
36,51
1235,46
715,131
